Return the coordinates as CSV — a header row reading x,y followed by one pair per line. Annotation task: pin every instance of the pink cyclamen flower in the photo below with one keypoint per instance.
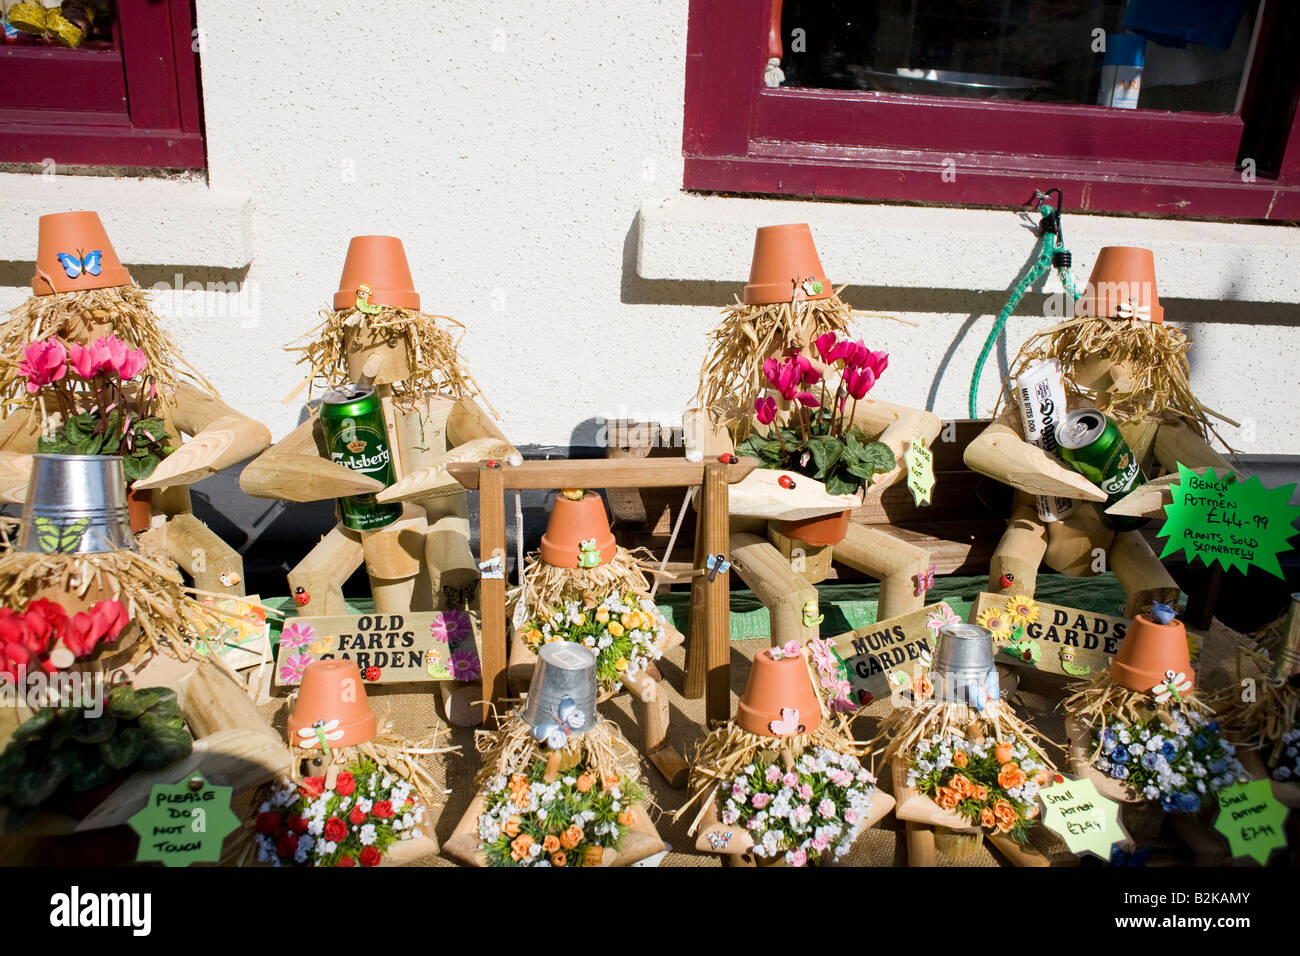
x,y
826,346
772,372
132,365
116,352
42,363
86,360
807,398
877,362
759,800
859,381
807,374
765,409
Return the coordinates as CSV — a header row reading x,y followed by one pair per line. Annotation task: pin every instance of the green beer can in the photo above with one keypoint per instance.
x,y
356,436
1092,445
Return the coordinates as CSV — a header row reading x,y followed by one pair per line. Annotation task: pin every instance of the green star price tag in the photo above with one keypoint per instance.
x,y
920,471
1082,817
1251,818
1237,523
184,823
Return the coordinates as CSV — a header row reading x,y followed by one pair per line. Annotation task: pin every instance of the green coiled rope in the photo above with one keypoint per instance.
x,y
1049,243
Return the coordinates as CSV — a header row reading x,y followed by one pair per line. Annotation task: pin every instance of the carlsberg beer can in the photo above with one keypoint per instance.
x,y
1093,446
1040,393
356,435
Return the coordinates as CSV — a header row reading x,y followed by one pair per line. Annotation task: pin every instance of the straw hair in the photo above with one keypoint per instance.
x,y
1260,723
512,748
907,726
548,586
1153,354
1100,700
149,584
72,315
732,374
722,755
435,361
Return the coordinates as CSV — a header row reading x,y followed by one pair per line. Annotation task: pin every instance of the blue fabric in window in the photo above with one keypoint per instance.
x,y
1176,23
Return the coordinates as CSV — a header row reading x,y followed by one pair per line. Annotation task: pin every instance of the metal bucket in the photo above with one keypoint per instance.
x,y
963,670
76,504
564,669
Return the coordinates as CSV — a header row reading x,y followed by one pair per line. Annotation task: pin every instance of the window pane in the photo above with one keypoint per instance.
x,y
71,25
1151,54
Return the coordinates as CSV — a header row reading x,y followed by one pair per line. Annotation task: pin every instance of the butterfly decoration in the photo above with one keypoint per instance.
x,y
588,554
716,564
459,596
55,538
787,724
568,718
74,266
363,301
1131,310
924,581
718,841
493,567
1171,687
319,734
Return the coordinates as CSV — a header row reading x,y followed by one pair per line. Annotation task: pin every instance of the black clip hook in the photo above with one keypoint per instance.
x,y
1051,224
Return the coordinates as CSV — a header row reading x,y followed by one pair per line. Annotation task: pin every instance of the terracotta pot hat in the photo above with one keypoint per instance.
x,y
785,266
73,253
333,694
1122,284
1148,650
779,698
377,263
574,525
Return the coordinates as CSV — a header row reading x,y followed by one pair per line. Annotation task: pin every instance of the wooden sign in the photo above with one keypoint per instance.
x,y
1062,640
387,648
885,657
243,641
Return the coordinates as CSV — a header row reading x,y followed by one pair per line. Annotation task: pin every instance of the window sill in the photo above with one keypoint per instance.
x,y
690,237
152,222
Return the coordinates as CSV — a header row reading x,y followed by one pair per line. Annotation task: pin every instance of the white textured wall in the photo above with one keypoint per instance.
x,y
511,144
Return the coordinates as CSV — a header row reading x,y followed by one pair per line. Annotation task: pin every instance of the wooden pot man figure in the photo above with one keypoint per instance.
x,y
1119,358
787,306
410,530
82,293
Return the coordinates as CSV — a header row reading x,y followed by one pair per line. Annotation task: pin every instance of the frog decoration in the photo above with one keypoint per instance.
x,y
588,554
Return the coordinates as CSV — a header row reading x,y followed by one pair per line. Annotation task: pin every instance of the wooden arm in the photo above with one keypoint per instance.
x,y
294,469
15,471
434,481
468,421
221,437
908,424
1001,453
1174,445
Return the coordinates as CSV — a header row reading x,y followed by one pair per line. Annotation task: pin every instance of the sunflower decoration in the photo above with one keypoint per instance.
x,y
997,620
1021,610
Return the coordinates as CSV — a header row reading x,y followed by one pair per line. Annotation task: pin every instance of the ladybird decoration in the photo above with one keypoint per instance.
x,y
785,481
865,697
728,458
301,596
372,673
1007,580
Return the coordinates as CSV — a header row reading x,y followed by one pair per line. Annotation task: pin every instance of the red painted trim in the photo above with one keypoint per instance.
x,y
136,104
742,137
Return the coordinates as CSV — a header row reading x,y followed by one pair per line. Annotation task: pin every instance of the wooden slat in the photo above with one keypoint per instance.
x,y
492,591
717,595
599,473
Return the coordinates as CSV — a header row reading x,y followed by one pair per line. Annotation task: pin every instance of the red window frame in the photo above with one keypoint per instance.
x,y
134,102
740,136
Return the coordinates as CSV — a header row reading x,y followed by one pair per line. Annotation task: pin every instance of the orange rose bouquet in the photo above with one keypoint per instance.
x,y
993,783
568,821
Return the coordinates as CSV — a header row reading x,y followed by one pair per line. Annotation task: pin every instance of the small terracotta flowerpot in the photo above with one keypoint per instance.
x,y
78,235
573,522
785,266
821,531
1122,275
378,262
1148,650
331,691
139,506
775,686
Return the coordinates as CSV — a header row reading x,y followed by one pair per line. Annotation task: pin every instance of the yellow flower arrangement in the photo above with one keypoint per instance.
x,y
1022,610
997,621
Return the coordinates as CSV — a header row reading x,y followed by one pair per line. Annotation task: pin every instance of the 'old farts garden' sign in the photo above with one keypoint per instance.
x,y
1059,640
387,648
888,655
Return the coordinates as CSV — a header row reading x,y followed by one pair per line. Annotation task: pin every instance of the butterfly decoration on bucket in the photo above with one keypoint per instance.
x,y
924,581
1131,310
53,537
787,724
320,733
363,301
74,266
1172,686
716,564
567,719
